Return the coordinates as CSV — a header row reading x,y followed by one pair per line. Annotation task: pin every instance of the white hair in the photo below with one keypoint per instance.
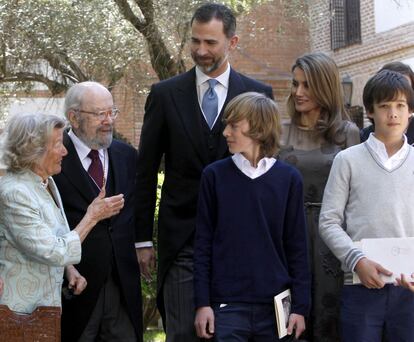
x,y
25,138
74,96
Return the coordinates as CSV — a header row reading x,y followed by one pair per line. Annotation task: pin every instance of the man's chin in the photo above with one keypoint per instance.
x,y
207,69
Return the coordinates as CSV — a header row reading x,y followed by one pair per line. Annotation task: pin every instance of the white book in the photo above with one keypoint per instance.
x,y
394,254
283,303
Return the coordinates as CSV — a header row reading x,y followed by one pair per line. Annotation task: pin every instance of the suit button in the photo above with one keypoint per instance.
x,y
210,141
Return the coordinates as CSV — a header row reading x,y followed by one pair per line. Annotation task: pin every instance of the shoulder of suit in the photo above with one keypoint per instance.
x,y
174,81
118,144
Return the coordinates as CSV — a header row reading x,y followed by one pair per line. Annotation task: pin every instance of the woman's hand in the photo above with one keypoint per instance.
x,y
76,282
103,207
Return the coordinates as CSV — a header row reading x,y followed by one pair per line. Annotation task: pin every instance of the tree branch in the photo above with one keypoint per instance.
x,y
54,86
74,73
129,15
162,60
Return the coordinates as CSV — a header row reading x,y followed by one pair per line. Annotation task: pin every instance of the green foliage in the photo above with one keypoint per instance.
x,y
65,41
154,336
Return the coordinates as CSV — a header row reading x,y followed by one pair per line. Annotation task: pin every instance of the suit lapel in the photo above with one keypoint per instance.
x,y
73,170
115,160
236,87
117,165
188,108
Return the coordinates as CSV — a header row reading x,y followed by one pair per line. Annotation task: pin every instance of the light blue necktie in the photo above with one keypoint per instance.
x,y
210,103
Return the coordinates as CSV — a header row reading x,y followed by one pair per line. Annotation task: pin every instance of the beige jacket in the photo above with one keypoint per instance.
x,y
35,242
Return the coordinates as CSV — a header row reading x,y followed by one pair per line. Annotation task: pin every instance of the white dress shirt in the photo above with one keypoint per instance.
x,y
244,165
221,88
84,150
381,154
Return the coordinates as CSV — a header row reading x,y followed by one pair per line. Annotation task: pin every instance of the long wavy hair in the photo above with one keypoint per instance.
x,y
325,87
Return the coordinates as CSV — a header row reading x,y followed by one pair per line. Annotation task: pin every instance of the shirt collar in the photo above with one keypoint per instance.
x,y
223,79
81,147
242,163
379,147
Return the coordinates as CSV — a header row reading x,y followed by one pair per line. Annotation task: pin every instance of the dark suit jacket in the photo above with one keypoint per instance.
x,y
104,240
173,126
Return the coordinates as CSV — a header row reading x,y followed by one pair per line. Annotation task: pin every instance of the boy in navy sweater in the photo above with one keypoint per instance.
x,y
250,241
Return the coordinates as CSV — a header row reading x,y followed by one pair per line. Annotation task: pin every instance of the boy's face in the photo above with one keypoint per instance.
x,y
390,118
238,141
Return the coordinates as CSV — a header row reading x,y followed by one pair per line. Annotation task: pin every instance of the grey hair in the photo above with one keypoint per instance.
x,y
25,138
74,96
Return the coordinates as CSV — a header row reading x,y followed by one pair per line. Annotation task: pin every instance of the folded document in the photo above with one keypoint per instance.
x,y
394,254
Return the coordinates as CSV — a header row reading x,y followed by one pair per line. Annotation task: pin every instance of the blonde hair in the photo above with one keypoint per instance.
x,y
25,139
325,88
263,117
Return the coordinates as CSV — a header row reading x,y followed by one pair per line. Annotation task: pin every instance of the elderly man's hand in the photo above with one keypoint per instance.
x,y
103,207
76,281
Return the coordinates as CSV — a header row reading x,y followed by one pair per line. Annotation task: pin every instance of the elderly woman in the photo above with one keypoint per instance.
x,y
36,244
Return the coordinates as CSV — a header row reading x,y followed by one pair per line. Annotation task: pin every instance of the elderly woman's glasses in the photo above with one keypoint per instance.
x,y
103,114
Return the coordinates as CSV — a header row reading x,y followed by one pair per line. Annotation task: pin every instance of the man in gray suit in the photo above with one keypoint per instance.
x,y
183,122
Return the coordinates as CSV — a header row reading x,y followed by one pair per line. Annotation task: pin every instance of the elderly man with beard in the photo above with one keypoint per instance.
x,y
110,307
183,123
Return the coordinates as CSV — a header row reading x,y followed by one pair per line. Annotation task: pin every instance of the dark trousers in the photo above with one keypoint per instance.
x,y
109,320
367,313
179,299
242,322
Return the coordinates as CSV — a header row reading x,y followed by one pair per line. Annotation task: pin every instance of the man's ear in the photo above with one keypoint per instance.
x,y
73,119
234,41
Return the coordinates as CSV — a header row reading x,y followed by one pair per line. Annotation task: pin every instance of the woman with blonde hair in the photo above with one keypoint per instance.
x,y
318,130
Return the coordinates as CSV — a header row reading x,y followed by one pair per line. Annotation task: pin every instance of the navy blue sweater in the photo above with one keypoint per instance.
x,y
250,241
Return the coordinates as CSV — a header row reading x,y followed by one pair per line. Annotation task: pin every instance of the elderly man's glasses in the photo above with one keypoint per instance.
x,y
103,114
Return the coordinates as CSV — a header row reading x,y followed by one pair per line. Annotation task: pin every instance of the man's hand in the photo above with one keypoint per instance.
x,y
147,261
76,282
297,323
407,283
369,273
204,322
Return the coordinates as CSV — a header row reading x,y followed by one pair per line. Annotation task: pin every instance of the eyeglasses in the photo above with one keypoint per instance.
x,y
102,115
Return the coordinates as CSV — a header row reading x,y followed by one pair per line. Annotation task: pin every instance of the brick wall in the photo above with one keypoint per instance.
x,y
270,41
360,61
